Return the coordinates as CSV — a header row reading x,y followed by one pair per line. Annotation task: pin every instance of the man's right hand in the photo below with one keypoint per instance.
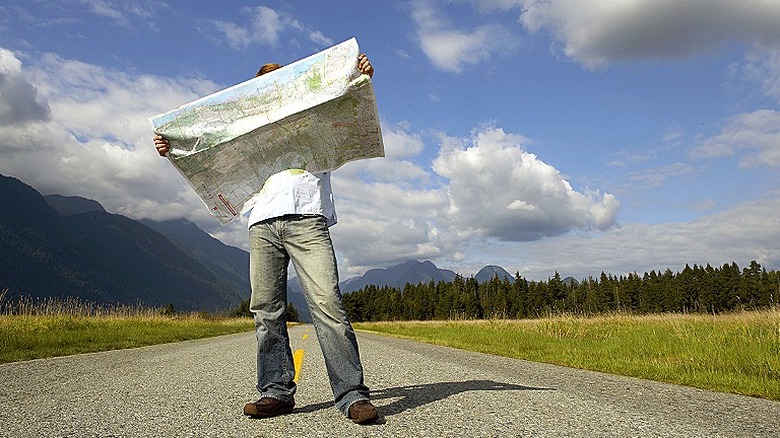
x,y
162,144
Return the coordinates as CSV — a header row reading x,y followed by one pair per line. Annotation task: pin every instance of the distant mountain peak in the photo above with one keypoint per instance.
x,y
410,271
491,271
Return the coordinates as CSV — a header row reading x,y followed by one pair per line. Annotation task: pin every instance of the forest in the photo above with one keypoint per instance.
x,y
696,289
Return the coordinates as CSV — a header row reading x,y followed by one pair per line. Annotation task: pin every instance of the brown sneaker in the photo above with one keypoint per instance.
x,y
362,412
268,407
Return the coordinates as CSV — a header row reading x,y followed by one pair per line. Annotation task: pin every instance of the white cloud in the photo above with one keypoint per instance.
x,y
375,220
397,167
399,143
453,49
763,67
19,100
492,189
266,27
600,32
744,233
389,209
654,177
597,33
755,135
625,158
97,141
268,24
497,189
236,36
123,13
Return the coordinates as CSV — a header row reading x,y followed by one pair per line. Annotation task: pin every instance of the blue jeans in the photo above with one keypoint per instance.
x,y
305,240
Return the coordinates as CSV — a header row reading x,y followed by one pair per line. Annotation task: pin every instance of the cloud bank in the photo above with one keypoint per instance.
x,y
599,33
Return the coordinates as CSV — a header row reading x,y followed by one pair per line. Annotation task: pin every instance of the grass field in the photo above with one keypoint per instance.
x,y
737,353
36,336
32,329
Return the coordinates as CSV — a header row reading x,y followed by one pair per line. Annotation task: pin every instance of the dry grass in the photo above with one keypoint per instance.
x,y
737,352
35,328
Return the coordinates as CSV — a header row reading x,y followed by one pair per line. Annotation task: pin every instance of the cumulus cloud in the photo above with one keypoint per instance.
x,y
388,208
454,49
744,233
755,136
483,189
266,27
497,189
19,99
402,147
400,143
96,141
381,224
601,32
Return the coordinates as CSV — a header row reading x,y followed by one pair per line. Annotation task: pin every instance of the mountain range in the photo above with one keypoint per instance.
x,y
58,246
412,271
70,246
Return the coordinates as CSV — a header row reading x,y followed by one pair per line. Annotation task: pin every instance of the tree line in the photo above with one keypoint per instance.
x,y
697,289
290,312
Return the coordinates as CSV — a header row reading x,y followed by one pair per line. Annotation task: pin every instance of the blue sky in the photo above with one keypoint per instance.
x,y
541,136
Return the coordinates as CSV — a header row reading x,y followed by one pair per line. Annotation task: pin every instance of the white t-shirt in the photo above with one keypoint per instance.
x,y
294,191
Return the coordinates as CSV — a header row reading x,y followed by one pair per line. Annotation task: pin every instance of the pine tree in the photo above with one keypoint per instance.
x,y
291,313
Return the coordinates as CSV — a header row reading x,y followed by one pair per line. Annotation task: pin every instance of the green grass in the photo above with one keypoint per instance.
x,y
24,337
33,328
737,353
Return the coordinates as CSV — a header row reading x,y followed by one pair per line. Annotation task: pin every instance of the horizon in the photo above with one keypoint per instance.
x,y
616,138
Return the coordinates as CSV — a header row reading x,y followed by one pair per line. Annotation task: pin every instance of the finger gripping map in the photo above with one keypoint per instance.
x,y
315,114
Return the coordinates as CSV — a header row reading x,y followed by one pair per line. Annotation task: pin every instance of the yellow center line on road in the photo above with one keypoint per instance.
x,y
298,358
298,362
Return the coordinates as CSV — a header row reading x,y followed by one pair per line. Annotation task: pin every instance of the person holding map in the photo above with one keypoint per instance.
x,y
290,221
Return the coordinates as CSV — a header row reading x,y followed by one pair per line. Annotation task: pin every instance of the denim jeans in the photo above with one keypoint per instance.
x,y
305,240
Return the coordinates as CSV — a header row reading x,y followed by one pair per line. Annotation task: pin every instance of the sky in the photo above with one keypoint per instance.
x,y
614,136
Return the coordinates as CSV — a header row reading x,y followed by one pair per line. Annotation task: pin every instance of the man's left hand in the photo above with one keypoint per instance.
x,y
364,65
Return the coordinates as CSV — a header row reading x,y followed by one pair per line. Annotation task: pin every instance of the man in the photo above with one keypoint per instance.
x,y
290,221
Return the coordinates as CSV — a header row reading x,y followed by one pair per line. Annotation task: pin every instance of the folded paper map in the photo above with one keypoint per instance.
x,y
315,114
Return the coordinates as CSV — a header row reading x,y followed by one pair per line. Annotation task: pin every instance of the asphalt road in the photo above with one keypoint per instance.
x,y
198,389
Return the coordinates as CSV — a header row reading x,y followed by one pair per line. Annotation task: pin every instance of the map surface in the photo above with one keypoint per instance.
x,y
315,114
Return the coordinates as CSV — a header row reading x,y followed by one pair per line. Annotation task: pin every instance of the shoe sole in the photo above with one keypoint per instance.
x,y
269,415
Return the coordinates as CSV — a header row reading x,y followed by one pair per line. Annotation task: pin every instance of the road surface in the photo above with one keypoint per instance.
x,y
198,389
